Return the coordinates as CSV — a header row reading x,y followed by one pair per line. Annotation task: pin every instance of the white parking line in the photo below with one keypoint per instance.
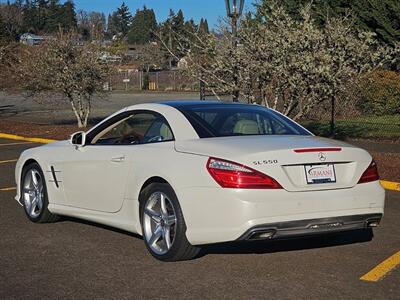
x,y
12,144
8,189
7,161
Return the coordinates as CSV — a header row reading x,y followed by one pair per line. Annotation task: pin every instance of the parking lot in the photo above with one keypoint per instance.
x,y
77,259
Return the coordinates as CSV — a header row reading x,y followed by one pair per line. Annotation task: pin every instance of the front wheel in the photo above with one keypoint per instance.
x,y
34,195
163,225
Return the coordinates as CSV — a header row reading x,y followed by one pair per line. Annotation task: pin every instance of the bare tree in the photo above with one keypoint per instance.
x,y
64,66
150,56
290,65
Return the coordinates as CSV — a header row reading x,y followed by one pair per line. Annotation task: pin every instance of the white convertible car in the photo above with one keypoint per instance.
x,y
185,174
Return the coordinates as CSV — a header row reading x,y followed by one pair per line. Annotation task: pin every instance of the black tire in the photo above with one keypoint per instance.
x,y
44,215
180,249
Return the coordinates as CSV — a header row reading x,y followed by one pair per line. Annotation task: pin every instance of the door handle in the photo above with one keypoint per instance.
x,y
118,159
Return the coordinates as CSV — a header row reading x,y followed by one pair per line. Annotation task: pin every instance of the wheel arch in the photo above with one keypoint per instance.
x,y
28,162
153,179
18,173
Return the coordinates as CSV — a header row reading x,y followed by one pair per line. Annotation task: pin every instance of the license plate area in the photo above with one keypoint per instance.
x,y
320,173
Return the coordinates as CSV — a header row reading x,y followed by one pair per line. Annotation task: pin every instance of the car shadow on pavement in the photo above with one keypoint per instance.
x,y
271,246
264,246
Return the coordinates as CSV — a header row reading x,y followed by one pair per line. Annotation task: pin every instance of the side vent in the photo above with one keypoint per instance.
x,y
53,172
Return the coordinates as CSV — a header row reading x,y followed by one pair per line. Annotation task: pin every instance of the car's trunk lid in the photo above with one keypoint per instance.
x,y
288,158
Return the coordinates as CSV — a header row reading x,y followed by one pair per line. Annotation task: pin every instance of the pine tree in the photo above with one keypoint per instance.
x,y
54,16
68,15
122,19
2,30
144,24
29,21
111,28
379,16
203,27
178,22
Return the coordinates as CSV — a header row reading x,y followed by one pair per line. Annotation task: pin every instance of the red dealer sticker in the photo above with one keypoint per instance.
x,y
324,173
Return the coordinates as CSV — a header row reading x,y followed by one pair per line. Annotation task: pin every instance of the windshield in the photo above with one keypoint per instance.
x,y
218,120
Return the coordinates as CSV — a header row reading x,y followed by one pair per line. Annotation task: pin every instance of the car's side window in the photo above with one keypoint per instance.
x,y
135,128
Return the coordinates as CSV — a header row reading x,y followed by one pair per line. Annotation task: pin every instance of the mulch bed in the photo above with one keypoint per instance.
x,y
388,163
57,132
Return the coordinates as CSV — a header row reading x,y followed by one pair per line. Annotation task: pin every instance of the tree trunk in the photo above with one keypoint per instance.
x,y
80,115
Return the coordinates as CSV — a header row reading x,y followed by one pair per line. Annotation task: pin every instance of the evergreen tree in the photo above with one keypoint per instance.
x,y
3,34
144,24
178,22
111,28
203,27
68,15
122,19
42,13
54,16
379,16
29,21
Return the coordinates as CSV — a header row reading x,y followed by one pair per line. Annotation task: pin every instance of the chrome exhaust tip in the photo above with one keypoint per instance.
x,y
372,223
262,235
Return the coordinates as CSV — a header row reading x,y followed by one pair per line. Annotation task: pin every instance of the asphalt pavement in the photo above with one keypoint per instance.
x,y
74,259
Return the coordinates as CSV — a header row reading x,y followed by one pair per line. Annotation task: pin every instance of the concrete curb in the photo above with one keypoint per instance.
x,y
27,139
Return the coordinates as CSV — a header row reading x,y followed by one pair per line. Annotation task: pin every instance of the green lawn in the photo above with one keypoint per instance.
x,y
359,127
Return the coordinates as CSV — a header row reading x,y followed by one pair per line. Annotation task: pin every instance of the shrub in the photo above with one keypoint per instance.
x,y
380,93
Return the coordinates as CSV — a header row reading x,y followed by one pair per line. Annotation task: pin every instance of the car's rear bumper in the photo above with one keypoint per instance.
x,y
214,215
320,226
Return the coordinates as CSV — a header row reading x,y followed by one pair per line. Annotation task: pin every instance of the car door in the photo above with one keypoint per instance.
x,y
95,175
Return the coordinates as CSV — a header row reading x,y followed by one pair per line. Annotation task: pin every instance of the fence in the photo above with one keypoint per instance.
x,y
132,80
350,121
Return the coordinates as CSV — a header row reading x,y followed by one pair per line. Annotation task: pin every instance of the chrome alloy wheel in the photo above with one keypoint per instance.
x,y
159,223
33,193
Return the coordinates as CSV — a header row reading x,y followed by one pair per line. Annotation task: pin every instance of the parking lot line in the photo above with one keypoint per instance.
x,y
8,189
7,161
383,268
12,144
27,139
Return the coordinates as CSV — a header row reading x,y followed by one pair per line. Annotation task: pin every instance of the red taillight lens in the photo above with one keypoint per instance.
x,y
232,175
370,174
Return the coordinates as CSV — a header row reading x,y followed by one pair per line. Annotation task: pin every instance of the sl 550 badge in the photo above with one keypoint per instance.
x,y
265,162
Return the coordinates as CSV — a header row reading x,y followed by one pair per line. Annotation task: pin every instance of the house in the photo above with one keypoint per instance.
x,y
32,39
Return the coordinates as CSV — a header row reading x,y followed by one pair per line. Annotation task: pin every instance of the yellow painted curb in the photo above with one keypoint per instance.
x,y
28,139
388,185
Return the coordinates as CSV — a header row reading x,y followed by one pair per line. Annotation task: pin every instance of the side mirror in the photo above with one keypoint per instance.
x,y
78,139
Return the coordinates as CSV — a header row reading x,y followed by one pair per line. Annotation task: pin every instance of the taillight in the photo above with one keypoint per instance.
x,y
232,175
370,174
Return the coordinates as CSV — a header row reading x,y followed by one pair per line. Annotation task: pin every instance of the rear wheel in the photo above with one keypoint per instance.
x,y
34,195
163,225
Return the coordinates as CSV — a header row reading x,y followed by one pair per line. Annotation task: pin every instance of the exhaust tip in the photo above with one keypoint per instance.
x,y
372,223
262,235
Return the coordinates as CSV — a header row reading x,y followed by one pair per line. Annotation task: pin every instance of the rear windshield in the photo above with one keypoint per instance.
x,y
237,120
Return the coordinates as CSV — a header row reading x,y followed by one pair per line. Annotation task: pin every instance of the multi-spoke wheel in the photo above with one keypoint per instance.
x,y
159,223
163,225
34,195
